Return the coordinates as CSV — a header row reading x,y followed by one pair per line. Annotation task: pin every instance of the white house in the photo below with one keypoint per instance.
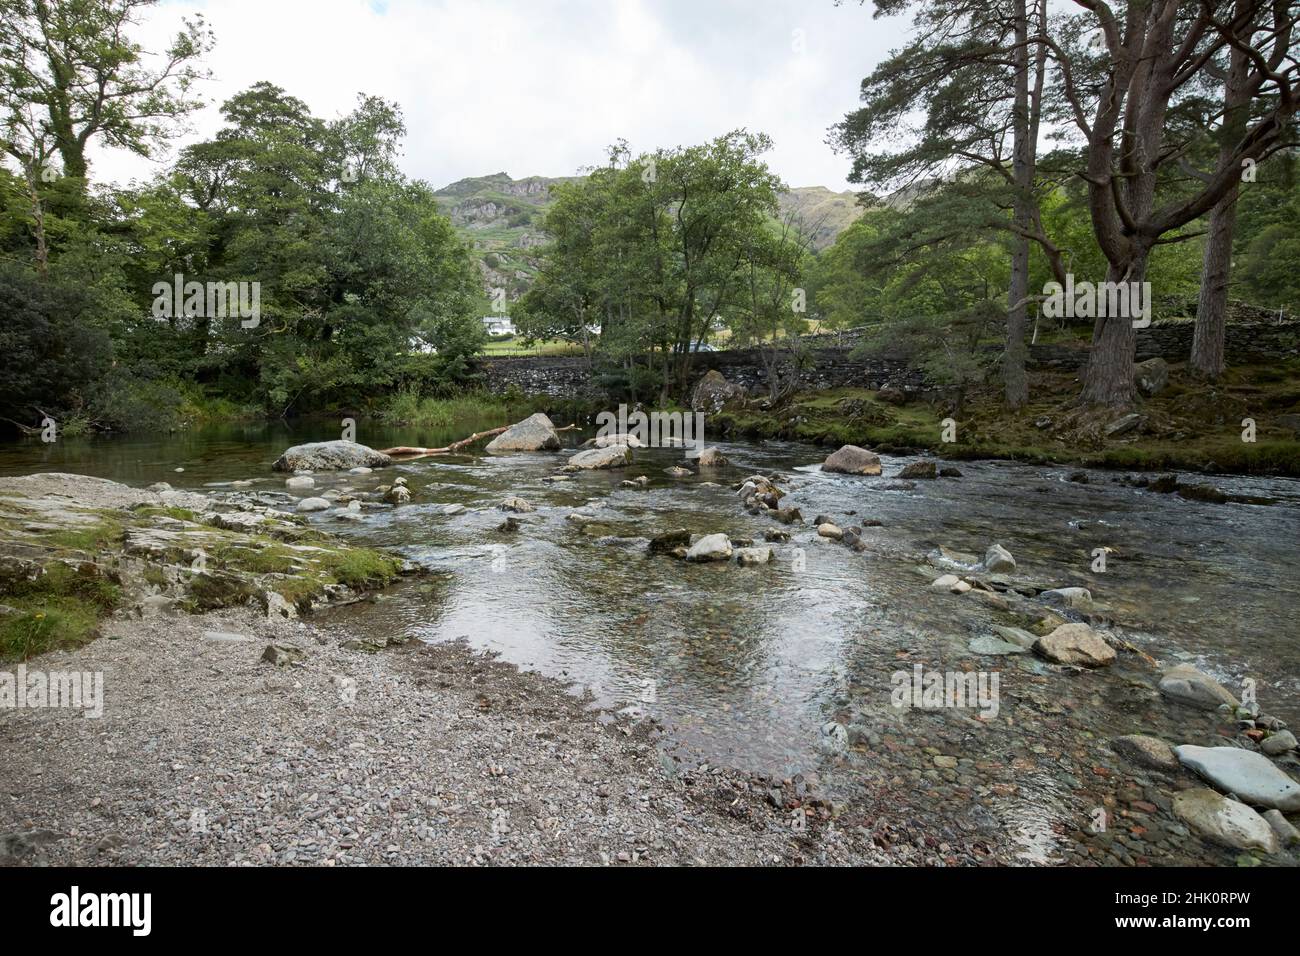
x,y
498,325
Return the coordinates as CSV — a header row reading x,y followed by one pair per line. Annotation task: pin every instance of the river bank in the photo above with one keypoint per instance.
x,y
1248,424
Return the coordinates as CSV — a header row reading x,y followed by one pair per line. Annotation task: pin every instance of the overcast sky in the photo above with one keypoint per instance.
x,y
540,87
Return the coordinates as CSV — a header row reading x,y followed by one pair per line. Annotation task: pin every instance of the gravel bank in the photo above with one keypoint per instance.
x,y
413,755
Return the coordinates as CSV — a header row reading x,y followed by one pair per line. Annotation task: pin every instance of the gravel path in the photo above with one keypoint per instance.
x,y
412,755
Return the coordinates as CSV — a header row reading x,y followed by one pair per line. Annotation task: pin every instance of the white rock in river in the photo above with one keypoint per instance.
x,y
615,456
614,438
1187,685
749,556
453,509
998,560
298,482
828,530
710,458
1224,821
313,504
1067,597
711,547
1249,775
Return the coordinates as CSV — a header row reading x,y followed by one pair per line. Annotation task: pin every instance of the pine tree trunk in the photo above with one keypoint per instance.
x,y
1013,359
1108,378
1216,272
1211,309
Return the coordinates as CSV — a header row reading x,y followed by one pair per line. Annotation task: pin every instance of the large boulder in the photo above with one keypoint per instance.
x,y
1227,822
1187,685
852,460
615,456
330,456
534,433
1151,376
1251,776
713,391
1076,644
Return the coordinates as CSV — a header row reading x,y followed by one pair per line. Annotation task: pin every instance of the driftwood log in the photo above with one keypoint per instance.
x,y
414,451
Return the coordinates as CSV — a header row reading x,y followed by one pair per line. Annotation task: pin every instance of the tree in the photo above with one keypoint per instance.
x,y
771,315
975,76
1151,53
71,74
655,248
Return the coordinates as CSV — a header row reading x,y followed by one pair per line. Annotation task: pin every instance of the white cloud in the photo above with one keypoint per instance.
x,y
543,86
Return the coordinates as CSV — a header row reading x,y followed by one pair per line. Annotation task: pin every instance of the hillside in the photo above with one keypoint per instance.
x,y
825,212
501,217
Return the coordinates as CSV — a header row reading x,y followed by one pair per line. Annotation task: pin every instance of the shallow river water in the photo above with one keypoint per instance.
x,y
746,667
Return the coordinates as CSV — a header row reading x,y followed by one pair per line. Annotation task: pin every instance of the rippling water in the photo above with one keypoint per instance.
x,y
746,665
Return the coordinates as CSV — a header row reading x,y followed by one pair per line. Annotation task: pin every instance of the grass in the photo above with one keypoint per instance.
x,y
360,568
409,408
270,558
61,608
1189,426
105,533
515,347
180,514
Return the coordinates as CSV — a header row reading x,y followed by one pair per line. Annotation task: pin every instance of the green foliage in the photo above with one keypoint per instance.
x,y
53,355
363,286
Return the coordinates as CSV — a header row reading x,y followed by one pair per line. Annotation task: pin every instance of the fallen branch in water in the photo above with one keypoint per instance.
x,y
414,451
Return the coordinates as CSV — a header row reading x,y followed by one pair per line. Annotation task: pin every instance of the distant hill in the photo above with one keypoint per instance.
x,y
501,218
827,213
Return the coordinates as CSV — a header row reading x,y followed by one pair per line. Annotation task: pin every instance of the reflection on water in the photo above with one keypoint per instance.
x,y
746,665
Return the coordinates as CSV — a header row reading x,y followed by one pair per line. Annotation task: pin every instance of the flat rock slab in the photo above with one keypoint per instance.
x,y
1186,685
1227,822
1076,644
1146,751
1249,775
994,646
615,456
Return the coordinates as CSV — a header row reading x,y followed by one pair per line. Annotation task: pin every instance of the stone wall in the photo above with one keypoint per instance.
x,y
568,376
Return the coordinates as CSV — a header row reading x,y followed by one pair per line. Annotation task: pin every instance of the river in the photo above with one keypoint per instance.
x,y
746,667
